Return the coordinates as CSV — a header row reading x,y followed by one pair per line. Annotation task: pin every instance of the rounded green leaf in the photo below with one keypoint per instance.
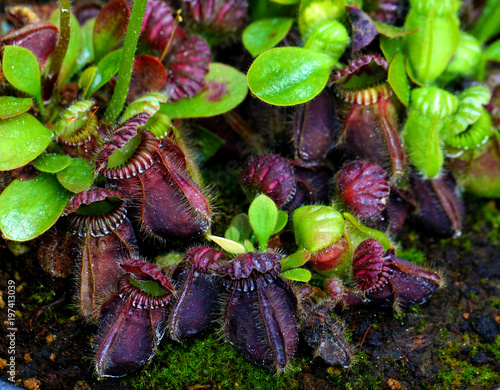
x,y
263,215
226,88
239,229
22,139
298,274
21,69
11,106
281,221
78,176
295,260
51,163
264,34
29,208
288,76
398,80
390,47
248,246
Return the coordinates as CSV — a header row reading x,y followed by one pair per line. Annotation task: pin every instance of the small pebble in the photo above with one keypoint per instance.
x,y
394,384
81,385
479,359
31,384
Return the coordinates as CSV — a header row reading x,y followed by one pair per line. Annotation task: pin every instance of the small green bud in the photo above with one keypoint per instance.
x,y
149,103
429,109
314,12
431,48
470,109
466,58
432,101
330,38
317,227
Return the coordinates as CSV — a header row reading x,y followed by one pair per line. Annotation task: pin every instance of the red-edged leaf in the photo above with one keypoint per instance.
x,y
39,38
148,75
110,27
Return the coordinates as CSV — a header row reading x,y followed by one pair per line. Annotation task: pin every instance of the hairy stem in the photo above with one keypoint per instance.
x,y
127,61
63,42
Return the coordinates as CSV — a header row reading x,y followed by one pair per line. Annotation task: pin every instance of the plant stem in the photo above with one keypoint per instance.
x,y
63,42
124,73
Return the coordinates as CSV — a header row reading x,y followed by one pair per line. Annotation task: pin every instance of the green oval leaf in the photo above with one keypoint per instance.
x,y
398,80
263,215
264,34
29,208
105,71
296,259
85,80
51,163
78,176
11,106
22,139
390,47
281,221
226,88
288,76
239,229
228,245
298,274
21,69
248,246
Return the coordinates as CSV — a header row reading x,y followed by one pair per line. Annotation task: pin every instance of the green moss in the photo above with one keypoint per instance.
x,y
487,219
43,295
455,369
208,361
493,349
413,255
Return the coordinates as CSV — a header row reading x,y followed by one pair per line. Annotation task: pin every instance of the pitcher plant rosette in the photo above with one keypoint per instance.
x,y
363,117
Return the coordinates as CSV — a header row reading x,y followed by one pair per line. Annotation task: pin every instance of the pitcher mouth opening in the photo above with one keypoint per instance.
x,y
363,81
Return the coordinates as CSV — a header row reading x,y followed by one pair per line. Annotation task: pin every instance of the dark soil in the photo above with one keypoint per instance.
x,y
451,342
